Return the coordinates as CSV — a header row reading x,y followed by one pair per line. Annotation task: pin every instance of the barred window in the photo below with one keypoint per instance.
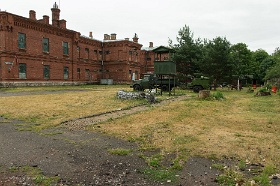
x,y
21,41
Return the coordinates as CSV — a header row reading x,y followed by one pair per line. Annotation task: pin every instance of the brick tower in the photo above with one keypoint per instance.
x,y
55,15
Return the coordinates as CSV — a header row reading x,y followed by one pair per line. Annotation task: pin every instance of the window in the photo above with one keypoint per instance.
x,y
45,44
79,52
46,72
22,71
87,53
87,74
65,73
78,73
21,41
65,48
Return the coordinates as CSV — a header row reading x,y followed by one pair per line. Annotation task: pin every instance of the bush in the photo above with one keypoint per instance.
x,y
218,95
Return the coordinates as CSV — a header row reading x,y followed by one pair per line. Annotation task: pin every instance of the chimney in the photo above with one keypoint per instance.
x,y
62,23
55,15
151,45
113,36
90,35
135,38
46,19
106,37
32,14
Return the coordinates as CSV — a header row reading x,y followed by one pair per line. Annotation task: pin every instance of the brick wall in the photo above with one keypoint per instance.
x,y
121,58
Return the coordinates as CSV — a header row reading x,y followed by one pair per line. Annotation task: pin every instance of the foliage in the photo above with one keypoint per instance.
x,y
216,59
221,61
241,57
263,178
264,89
218,95
273,72
187,52
258,64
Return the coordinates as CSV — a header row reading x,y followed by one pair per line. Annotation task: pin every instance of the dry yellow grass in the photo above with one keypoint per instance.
x,y
242,126
52,109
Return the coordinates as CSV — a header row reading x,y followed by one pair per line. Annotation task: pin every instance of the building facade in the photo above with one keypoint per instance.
x,y
44,52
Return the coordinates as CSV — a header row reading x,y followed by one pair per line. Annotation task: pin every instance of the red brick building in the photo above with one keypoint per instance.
x,y
43,51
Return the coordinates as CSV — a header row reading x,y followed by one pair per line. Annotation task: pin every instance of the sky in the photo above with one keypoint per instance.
x,y
253,22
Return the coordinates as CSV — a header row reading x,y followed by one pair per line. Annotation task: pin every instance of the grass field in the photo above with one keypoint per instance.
x,y
241,126
60,104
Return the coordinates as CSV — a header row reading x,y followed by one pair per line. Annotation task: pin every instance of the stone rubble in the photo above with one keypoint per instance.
x,y
136,95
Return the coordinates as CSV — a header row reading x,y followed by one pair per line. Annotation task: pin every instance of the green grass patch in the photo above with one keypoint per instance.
x,y
160,175
263,179
230,178
220,167
36,175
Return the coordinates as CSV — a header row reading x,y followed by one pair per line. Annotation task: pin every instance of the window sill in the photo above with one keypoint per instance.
x,y
22,49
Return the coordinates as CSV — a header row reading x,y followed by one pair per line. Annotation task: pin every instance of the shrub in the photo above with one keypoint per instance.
x,y
218,95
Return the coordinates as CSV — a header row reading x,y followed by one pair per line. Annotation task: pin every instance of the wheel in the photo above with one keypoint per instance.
x,y
137,87
197,88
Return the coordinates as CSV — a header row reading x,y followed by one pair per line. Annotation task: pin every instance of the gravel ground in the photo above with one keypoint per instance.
x,y
81,157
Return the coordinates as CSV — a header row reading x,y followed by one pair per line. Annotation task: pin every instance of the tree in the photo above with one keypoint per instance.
x,y
187,52
241,58
259,66
216,59
273,72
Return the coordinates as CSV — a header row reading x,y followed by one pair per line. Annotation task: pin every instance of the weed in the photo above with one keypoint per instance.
x,y
263,178
110,119
159,174
120,151
218,95
230,178
220,167
35,174
177,165
154,161
242,165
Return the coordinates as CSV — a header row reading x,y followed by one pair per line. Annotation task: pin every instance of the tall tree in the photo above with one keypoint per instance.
x,y
241,58
216,59
188,52
259,68
273,72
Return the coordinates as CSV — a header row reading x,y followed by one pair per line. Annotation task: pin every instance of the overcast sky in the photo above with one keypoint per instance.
x,y
253,22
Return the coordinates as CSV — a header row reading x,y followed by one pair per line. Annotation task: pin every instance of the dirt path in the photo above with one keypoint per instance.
x,y
82,123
